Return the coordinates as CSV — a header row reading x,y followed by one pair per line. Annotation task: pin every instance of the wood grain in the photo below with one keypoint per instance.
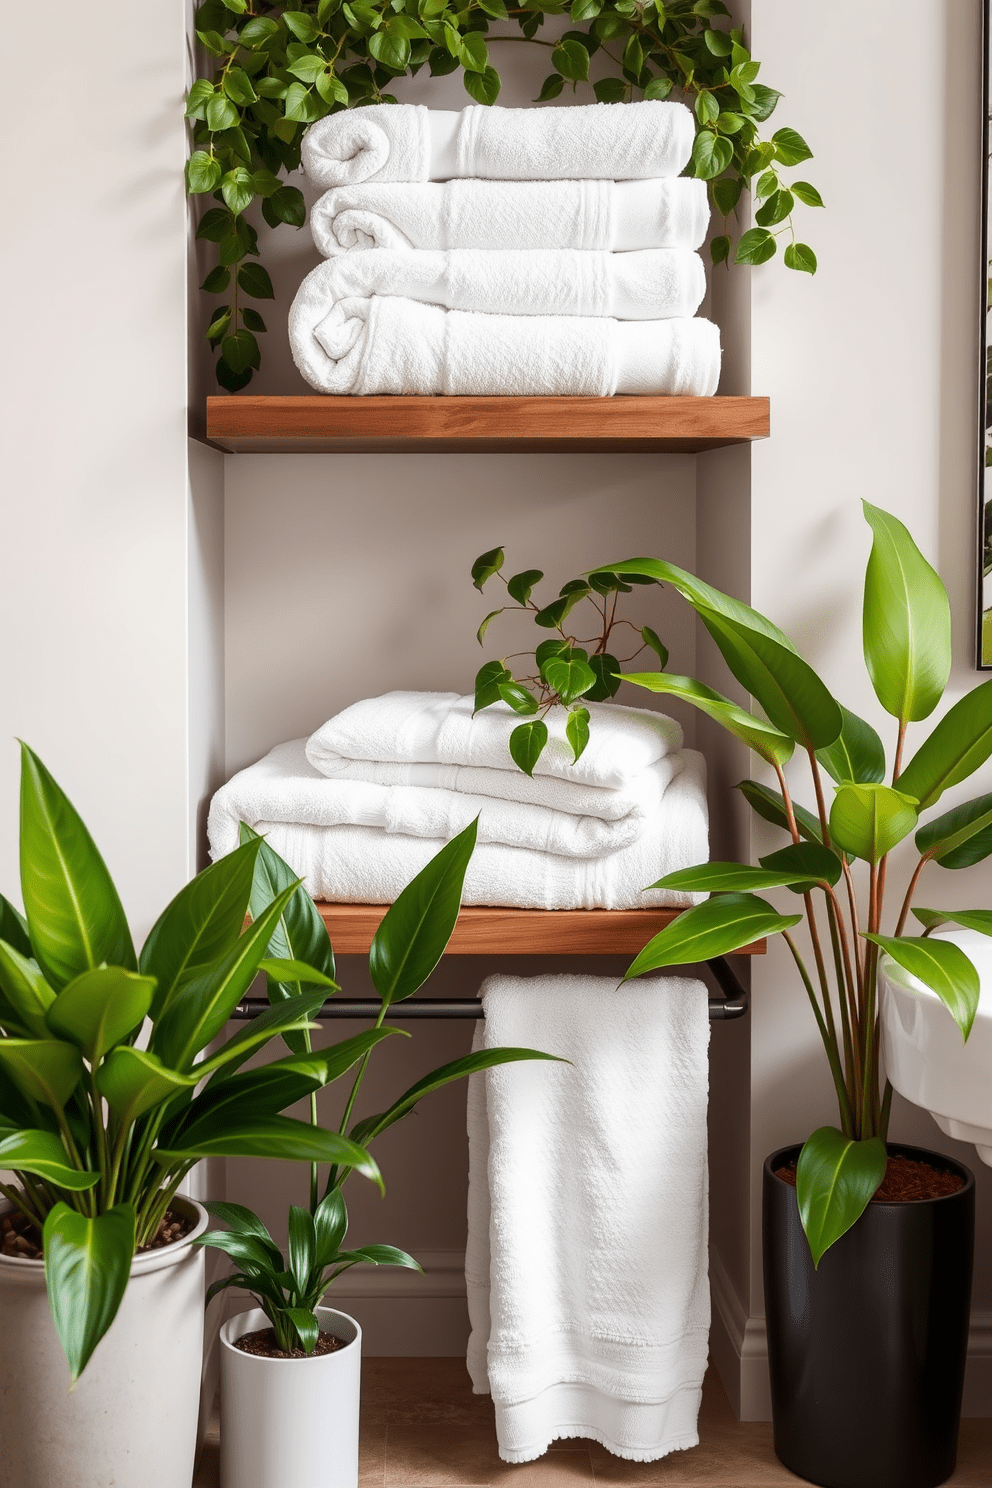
x,y
518,932
244,424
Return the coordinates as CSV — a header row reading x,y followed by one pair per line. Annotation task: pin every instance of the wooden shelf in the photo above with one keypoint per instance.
x,y
518,932
246,425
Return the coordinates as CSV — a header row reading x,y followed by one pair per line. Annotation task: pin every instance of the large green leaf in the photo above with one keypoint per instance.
x,y
804,860
87,1266
960,743
43,1154
74,914
469,1064
943,967
769,805
44,1070
788,689
26,992
415,930
330,1222
906,622
271,1136
243,1222
14,928
700,594
857,754
712,929
100,1008
293,1015
201,924
835,1179
765,740
728,878
868,820
301,1247
961,836
378,1255
132,1081
971,919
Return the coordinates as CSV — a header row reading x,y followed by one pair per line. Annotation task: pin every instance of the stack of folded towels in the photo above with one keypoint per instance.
x,y
360,807
506,251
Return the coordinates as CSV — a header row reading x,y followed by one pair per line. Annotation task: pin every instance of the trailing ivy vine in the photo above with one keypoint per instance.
x,y
278,67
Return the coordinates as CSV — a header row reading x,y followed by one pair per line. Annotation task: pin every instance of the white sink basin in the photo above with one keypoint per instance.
x,y
925,1056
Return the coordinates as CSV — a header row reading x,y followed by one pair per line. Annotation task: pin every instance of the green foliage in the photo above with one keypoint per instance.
x,y
271,75
835,1179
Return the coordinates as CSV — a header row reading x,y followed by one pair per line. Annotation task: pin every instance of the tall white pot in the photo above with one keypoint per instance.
x,y
131,1420
290,1421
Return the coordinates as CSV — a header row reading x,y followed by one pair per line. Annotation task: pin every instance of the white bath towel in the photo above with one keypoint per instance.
x,y
367,865
586,1265
440,728
382,345
408,142
612,216
657,284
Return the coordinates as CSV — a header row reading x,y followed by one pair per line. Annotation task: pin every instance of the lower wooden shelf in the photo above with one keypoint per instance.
x,y
518,932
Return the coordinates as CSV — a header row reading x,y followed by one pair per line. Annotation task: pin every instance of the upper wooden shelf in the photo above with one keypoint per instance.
x,y
246,425
518,932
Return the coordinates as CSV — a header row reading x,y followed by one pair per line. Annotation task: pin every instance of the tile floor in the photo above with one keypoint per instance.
x,y
423,1428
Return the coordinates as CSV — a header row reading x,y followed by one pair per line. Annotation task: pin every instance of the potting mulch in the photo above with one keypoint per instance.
x,y
19,1238
906,1181
263,1343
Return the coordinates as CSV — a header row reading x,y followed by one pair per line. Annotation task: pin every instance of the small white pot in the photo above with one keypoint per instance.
x,y
131,1420
290,1423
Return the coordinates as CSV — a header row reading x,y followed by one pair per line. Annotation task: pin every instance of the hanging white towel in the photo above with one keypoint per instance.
x,y
408,142
586,1265
382,345
658,284
279,796
612,216
442,728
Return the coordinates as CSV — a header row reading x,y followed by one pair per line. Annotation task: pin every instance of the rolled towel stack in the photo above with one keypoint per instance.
x,y
363,804
506,251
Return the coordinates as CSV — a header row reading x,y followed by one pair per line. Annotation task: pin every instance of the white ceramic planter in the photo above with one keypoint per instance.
x,y
290,1423
131,1420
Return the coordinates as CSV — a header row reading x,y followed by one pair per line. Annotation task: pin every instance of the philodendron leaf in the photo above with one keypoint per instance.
x,y
521,585
906,622
961,837
971,919
835,1180
576,731
44,1070
960,743
569,678
868,820
484,567
132,1081
100,1008
729,878
43,1154
25,989
527,743
940,965
805,858
488,680
606,669
520,698
712,929
415,930
758,735
87,1266
74,914
770,806
857,755
652,639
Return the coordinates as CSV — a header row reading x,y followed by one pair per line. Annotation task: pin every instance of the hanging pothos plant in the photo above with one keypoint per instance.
x,y
279,67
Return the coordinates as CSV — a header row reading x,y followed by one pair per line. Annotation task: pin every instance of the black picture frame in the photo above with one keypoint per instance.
x,y
983,536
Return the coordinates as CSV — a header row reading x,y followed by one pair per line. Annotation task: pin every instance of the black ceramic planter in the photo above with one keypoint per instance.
x,y
867,1354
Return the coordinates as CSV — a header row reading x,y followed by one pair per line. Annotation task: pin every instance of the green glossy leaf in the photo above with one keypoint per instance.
x,y
484,567
957,747
415,930
243,1222
240,351
285,1017
273,1136
800,256
906,622
765,740
300,934
488,681
810,859
856,755
73,910
330,1223
302,1246
551,87
458,1069
868,820
305,1326
132,1081
572,60
715,928
711,154
298,973
835,1180
483,86
552,616
569,678
768,804
44,1070
527,742
756,246
726,195
87,1266
100,1008
790,147
940,965
807,193
382,1255
606,670
286,204
776,208
304,27
26,992
730,878
700,594
720,249
221,114
247,1249
42,1153
14,929
960,837
255,281
521,585
480,634
203,172
520,698
576,731
652,639
971,919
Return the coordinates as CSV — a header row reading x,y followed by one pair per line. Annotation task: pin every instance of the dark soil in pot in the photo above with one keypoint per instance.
x,y
20,1238
264,1345
866,1354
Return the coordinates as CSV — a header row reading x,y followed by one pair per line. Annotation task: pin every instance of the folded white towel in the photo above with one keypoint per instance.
x,y
586,1263
657,284
609,215
367,865
385,344
408,142
441,728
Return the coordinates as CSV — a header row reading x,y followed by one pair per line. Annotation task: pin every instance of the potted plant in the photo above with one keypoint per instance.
x,y
291,1359
868,1314
100,1129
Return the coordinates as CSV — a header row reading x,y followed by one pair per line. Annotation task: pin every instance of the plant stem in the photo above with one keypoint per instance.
x,y
908,901
787,801
18,1201
833,1058
820,803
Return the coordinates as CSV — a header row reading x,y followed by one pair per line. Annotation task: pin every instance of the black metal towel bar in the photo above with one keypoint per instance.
x,y
733,1003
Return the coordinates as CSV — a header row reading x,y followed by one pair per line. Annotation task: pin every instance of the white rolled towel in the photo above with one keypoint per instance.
x,y
615,216
380,344
656,284
408,142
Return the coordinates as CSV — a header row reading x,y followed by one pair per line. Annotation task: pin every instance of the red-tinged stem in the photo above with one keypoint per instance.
x,y
790,815
908,901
